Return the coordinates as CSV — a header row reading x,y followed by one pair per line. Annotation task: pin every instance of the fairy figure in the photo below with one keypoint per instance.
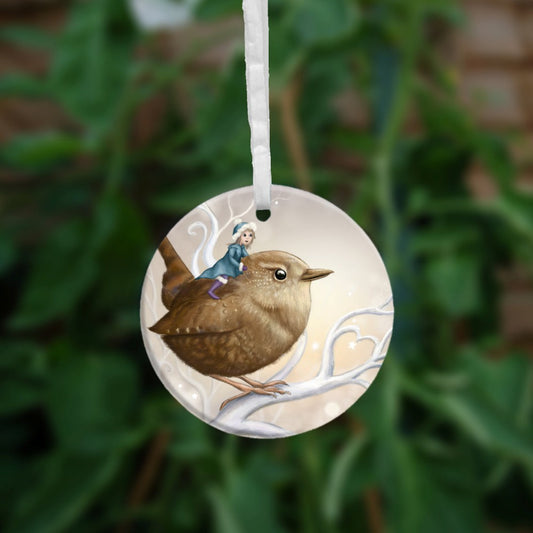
x,y
231,265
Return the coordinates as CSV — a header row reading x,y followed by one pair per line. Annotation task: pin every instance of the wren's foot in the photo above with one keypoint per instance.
x,y
263,385
251,386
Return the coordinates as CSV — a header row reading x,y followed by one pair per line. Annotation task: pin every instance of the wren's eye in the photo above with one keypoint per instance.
x,y
280,274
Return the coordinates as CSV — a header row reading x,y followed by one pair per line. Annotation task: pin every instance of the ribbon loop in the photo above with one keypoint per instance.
x,y
256,56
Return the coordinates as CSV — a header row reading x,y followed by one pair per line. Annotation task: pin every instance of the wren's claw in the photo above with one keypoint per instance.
x,y
270,388
260,385
272,391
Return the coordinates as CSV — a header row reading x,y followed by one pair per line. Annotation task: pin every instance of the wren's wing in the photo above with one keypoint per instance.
x,y
176,274
194,312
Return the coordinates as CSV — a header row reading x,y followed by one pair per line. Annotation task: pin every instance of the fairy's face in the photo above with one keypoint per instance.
x,y
246,238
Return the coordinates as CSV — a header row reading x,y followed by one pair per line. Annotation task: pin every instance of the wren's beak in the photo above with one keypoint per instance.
x,y
312,274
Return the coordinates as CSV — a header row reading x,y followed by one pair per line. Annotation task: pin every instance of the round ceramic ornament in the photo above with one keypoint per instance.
x,y
266,329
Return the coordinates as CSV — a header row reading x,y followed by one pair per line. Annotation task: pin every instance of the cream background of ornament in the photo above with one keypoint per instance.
x,y
322,236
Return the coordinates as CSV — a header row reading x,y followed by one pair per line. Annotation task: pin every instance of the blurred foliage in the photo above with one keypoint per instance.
x,y
90,439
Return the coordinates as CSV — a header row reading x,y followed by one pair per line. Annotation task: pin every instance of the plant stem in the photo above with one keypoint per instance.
x,y
389,136
293,133
147,474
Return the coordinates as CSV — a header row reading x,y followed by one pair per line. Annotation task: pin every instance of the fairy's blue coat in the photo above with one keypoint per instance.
x,y
228,265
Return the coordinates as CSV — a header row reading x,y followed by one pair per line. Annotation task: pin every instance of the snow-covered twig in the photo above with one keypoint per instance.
x,y
235,416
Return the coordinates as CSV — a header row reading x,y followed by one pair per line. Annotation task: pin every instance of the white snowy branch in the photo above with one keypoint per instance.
x,y
235,415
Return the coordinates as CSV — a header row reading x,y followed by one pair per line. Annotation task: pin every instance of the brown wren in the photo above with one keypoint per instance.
x,y
258,318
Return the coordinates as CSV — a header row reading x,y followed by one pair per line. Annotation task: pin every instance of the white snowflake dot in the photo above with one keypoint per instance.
x,y
332,409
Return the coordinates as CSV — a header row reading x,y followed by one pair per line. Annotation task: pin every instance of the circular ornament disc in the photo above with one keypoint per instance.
x,y
246,314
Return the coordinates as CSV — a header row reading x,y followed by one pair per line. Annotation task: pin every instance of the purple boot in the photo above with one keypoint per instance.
x,y
216,284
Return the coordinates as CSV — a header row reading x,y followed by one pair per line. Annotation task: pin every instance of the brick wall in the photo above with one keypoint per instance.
x,y
495,65
21,115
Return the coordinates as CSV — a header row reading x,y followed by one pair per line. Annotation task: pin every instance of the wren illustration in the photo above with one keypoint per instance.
x,y
260,310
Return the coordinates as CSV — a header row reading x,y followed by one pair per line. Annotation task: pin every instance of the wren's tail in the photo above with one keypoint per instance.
x,y
175,275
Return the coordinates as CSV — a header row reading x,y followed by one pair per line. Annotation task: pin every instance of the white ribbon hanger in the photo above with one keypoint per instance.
x,y
256,57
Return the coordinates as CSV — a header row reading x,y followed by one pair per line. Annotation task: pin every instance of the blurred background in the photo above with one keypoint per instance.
x,y
117,118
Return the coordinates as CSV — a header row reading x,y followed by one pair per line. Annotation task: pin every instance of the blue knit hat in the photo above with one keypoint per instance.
x,y
241,227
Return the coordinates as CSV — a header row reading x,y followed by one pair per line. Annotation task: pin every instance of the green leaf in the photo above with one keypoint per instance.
x,y
225,519
451,12
516,209
507,381
334,497
14,478
28,36
40,151
324,78
400,478
21,85
488,427
458,124
247,501
285,54
223,114
206,10
94,63
496,158
454,282
122,255
445,239
479,418
188,195
67,485
22,376
62,271
418,489
191,439
379,408
317,22
91,400
448,489
8,252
